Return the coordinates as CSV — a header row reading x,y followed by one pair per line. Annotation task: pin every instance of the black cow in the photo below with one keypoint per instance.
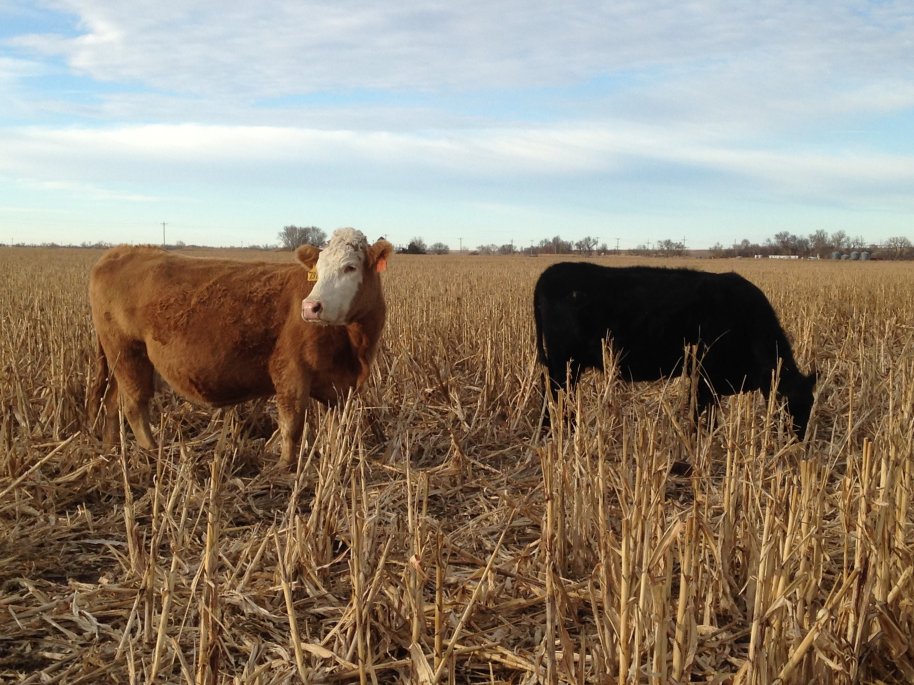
x,y
650,314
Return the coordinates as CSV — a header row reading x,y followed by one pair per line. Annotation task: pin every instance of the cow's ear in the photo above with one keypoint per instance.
x,y
378,255
307,255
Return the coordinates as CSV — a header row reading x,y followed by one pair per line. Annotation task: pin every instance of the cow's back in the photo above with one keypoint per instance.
x,y
121,284
649,314
208,326
725,317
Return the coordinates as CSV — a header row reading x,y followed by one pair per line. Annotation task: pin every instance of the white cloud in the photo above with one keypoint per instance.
x,y
12,69
84,190
243,51
236,154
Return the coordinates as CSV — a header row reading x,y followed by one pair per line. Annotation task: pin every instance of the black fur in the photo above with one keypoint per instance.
x,y
649,314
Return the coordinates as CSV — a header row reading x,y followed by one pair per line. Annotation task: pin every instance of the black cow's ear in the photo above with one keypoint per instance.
x,y
307,255
378,254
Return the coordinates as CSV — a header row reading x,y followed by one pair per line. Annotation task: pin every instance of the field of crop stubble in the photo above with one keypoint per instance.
x,y
429,533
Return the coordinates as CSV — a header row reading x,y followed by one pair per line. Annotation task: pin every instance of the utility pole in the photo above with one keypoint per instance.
x,y
163,233
461,245
617,246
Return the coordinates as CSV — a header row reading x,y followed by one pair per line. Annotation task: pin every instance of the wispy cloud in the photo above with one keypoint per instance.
x,y
241,52
84,190
194,151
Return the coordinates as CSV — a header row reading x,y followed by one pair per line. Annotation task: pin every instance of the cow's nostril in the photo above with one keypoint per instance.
x,y
311,309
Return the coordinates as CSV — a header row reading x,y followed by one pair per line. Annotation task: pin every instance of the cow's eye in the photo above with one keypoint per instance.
x,y
349,268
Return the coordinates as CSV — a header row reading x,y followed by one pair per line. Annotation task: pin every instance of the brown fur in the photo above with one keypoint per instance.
x,y
221,332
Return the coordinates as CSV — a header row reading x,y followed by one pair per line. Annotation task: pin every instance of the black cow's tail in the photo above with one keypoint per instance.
x,y
538,304
538,323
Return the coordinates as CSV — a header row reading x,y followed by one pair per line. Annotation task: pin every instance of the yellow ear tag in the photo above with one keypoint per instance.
x,y
312,275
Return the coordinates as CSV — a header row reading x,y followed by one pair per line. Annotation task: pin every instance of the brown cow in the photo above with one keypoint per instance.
x,y
221,332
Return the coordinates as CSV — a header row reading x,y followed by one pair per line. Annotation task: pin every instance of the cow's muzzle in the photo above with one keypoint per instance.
x,y
311,311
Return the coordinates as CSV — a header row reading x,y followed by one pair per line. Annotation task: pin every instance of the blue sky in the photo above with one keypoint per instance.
x,y
482,121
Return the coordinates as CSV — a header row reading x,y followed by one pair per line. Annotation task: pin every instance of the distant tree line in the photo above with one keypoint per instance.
x,y
819,244
587,245
663,248
104,245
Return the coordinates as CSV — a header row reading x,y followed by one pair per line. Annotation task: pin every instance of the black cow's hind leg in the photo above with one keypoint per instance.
x,y
561,376
548,392
704,398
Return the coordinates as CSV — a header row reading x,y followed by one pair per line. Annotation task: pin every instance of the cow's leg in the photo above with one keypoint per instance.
x,y
102,404
101,385
293,389
548,391
291,410
125,378
563,375
135,378
553,381
556,380
704,399
574,373
110,427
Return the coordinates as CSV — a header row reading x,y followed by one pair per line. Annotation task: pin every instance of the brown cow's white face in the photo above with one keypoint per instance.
x,y
340,269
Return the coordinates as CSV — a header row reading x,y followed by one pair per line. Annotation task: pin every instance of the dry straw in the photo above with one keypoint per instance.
x,y
430,534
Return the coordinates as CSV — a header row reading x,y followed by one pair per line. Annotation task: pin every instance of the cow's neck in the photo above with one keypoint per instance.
x,y
363,335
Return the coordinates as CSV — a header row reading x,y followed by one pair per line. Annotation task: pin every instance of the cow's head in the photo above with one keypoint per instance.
x,y
345,275
800,400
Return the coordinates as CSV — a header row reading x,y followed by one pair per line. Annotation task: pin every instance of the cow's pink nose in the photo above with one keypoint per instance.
x,y
310,309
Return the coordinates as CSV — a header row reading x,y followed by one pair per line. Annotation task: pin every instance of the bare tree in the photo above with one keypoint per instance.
x,y
899,247
820,243
292,236
840,241
718,251
587,244
416,246
785,242
555,245
670,248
